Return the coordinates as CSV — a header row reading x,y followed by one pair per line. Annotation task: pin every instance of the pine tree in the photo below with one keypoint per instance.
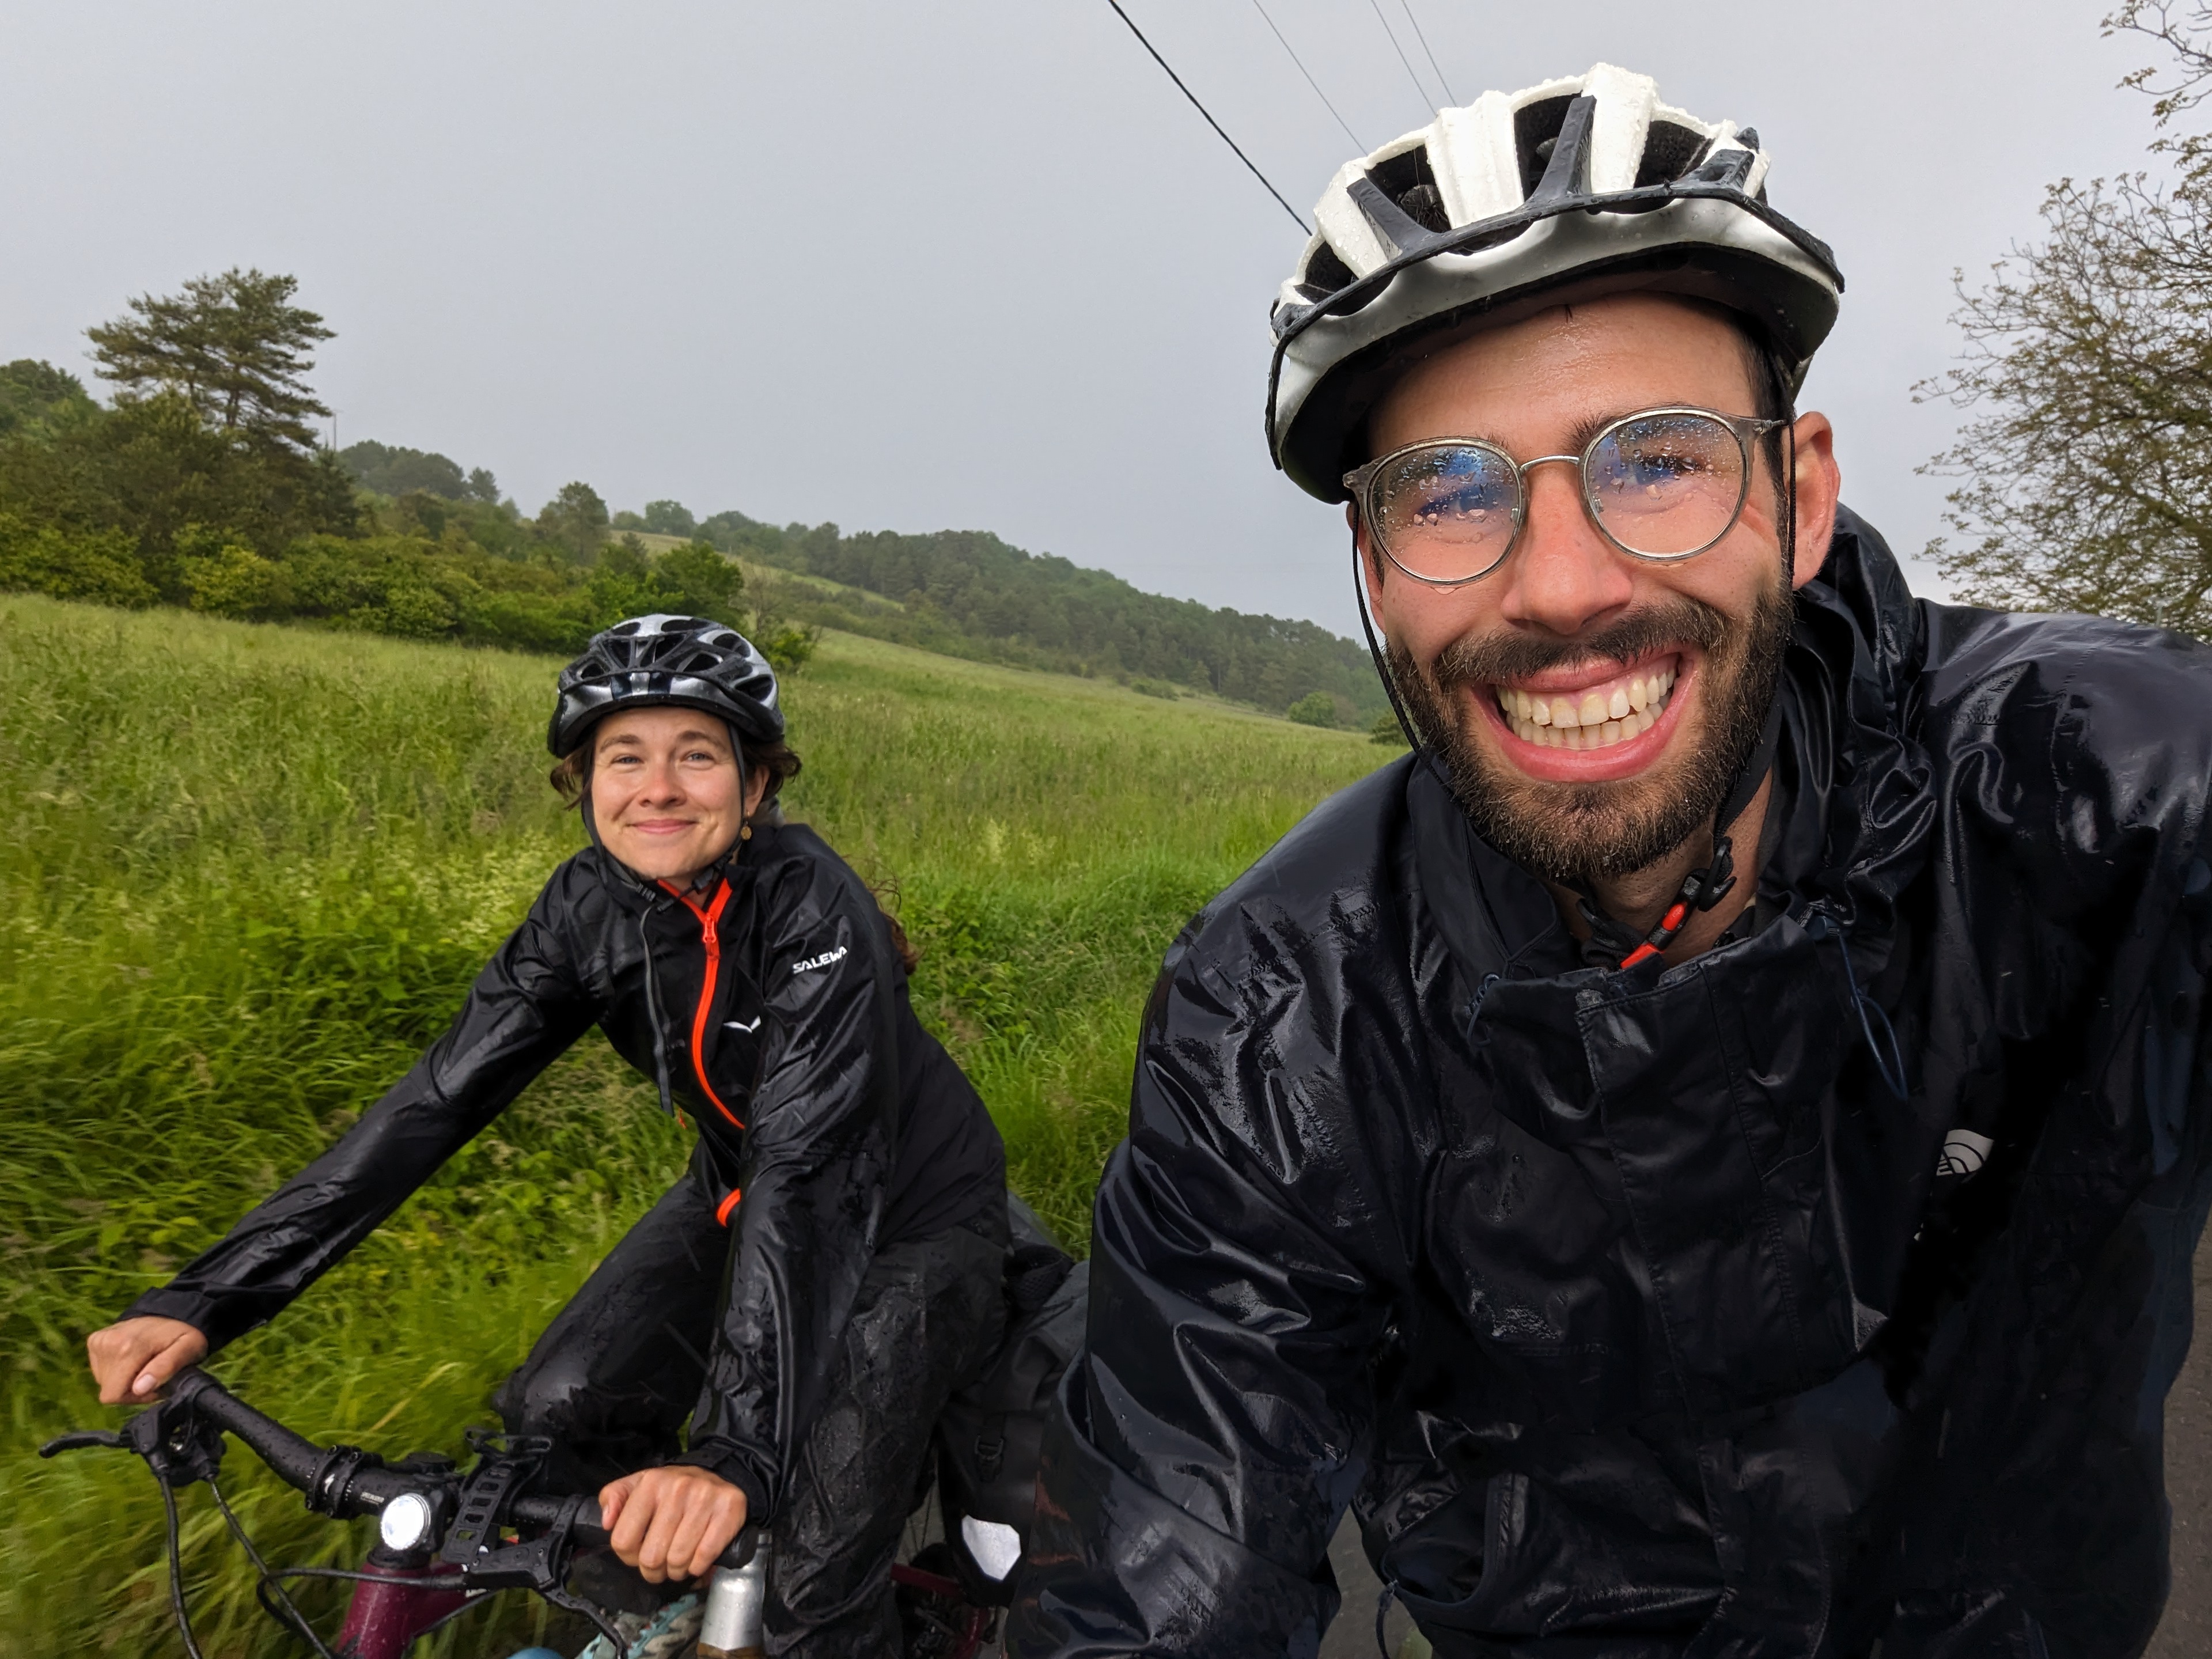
x,y
234,345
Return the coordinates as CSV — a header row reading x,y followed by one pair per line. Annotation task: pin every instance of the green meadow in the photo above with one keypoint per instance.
x,y
247,873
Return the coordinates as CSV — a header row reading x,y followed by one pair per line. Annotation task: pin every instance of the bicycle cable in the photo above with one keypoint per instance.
x,y
177,1570
265,1584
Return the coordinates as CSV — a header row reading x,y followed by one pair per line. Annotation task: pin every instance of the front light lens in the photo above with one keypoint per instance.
x,y
406,1521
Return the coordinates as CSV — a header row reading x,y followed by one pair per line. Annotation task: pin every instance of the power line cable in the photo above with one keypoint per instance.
x,y
1424,39
1419,90
1310,82
1210,121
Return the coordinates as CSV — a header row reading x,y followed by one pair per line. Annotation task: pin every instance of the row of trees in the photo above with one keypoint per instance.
x,y
203,484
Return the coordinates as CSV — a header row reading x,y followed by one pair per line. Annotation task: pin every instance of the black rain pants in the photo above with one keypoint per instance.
x,y
615,1375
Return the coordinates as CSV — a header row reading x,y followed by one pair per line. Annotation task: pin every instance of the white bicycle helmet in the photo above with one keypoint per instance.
x,y
1517,202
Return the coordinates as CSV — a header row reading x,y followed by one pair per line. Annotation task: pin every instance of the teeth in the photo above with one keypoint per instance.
x,y
1595,720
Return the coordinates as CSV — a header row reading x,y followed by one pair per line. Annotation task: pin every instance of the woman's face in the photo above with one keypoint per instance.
x,y
665,791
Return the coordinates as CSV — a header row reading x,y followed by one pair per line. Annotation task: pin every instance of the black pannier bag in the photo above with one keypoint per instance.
x,y
992,1433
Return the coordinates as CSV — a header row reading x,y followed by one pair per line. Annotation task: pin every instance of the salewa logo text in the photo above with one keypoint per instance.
x,y
821,960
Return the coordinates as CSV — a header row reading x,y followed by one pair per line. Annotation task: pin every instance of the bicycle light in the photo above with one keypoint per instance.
x,y
405,1524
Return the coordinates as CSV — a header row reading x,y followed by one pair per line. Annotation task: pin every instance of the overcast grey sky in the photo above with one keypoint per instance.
x,y
912,267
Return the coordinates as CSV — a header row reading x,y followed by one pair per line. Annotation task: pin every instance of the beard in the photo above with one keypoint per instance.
x,y
1577,833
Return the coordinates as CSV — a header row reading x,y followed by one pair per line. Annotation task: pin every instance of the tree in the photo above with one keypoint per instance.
x,y
233,345
670,519
576,518
34,395
395,471
2086,473
1314,709
696,579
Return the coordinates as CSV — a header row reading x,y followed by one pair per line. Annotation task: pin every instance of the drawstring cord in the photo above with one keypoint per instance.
x,y
1888,1056
1381,1609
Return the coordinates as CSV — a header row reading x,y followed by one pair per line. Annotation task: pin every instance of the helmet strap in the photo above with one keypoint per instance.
x,y
1615,944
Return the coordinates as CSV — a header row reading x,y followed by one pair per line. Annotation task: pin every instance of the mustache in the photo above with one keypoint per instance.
x,y
1487,659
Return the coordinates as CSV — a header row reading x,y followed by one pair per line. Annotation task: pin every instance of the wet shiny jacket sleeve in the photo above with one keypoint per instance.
x,y
1213,1431
525,1008
822,1131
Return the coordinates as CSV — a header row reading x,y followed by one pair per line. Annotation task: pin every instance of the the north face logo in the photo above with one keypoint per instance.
x,y
821,960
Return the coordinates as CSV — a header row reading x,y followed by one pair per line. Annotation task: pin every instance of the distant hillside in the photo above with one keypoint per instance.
x,y
968,593
961,593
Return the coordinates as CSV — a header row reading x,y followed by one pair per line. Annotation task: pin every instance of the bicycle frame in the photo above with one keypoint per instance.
x,y
391,1610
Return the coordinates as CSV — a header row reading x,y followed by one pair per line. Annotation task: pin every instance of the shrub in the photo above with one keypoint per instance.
x,y
100,565
1385,729
1314,709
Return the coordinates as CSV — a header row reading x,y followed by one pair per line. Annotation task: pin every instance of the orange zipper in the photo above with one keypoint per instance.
x,y
708,916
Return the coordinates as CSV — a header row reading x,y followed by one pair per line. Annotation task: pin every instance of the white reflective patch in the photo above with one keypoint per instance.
x,y
995,1546
1963,1152
821,960
753,1026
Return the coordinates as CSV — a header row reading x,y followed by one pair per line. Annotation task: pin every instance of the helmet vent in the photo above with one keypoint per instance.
x,y
1535,127
1326,273
1670,151
1407,179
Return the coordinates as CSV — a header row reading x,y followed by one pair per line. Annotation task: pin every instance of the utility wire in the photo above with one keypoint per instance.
x,y
1421,91
1424,39
1210,121
1310,82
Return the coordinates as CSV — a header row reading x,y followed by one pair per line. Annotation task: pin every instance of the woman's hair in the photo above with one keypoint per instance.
x,y
572,778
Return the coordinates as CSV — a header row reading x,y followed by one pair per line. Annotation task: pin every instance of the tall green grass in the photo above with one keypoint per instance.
x,y
246,874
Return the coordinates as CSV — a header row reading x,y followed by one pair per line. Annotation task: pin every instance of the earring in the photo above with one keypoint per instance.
x,y
745,832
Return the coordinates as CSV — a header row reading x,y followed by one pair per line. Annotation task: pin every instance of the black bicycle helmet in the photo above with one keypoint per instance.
x,y
688,662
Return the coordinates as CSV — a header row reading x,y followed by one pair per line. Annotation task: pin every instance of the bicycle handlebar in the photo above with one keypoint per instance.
x,y
342,1482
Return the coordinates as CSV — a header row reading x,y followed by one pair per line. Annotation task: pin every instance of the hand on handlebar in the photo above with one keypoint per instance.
x,y
670,1523
133,1360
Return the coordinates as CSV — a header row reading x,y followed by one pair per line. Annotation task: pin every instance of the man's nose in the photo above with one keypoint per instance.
x,y
1564,575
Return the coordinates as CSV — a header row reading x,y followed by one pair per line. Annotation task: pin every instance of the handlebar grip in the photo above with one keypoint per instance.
x,y
589,1529
297,1460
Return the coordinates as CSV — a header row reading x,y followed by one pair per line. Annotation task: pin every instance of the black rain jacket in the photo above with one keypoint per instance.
x,y
830,1123
1627,1309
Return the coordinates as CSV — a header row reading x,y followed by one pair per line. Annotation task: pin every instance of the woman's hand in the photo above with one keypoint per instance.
x,y
133,1360
672,1522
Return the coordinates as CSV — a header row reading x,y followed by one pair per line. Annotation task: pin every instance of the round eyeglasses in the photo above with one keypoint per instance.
x,y
1659,484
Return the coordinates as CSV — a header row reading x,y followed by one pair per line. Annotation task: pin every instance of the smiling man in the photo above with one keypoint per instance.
x,y
1702,1157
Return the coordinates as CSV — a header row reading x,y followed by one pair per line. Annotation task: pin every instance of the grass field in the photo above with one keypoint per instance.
x,y
248,872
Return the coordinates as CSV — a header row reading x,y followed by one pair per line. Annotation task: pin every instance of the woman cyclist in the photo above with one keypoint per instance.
x,y
830,1267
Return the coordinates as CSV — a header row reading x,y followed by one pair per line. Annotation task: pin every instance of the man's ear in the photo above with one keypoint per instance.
x,y
1819,489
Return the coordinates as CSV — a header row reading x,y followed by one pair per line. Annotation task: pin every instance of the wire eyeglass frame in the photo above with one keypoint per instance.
x,y
1747,430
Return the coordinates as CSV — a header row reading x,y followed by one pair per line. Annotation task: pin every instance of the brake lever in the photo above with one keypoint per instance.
x,y
178,1444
